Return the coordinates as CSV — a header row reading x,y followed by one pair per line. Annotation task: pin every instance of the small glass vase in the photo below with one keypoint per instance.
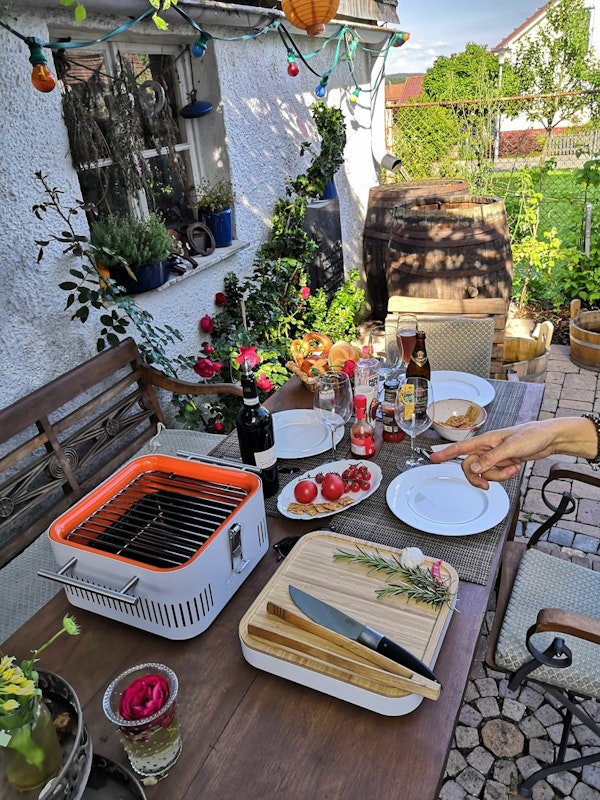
x,y
152,743
30,750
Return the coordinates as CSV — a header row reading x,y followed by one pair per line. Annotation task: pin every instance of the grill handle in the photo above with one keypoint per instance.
x,y
76,583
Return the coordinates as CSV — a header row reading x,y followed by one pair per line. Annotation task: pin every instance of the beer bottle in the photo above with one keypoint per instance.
x,y
419,366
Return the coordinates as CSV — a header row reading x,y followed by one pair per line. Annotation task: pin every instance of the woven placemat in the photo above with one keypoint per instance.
x,y
471,556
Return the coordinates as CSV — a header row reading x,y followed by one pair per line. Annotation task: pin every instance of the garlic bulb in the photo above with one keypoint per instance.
x,y
411,557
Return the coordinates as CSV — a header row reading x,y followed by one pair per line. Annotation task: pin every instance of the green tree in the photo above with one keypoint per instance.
x,y
473,74
556,60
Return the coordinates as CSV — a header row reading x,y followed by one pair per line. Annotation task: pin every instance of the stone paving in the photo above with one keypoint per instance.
x,y
503,737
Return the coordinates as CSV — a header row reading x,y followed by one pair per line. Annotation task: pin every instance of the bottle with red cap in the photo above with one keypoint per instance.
x,y
362,438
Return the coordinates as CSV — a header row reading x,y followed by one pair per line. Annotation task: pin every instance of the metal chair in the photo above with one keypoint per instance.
x,y
462,335
547,626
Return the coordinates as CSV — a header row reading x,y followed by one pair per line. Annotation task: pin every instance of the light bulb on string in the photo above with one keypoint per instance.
x,y
41,77
321,89
354,95
292,69
199,47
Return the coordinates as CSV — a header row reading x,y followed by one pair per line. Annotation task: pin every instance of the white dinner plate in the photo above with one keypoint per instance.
x,y
299,433
450,385
287,494
437,498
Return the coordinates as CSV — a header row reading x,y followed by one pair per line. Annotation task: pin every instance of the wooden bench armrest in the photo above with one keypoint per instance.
x,y
157,378
574,472
557,620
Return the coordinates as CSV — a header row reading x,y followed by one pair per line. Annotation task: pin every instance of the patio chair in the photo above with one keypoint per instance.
x,y
547,625
462,335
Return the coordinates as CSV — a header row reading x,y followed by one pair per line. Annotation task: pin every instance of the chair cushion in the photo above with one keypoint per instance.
x,y
545,581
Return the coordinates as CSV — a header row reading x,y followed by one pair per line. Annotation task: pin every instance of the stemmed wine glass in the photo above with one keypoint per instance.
x,y
406,334
382,346
414,414
333,402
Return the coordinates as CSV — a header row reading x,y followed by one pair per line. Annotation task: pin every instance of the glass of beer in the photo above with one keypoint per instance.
x,y
406,334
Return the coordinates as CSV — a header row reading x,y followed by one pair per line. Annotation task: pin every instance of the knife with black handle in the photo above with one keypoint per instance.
x,y
341,623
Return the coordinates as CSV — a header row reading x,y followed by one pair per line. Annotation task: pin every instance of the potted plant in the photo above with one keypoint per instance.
x,y
214,209
133,250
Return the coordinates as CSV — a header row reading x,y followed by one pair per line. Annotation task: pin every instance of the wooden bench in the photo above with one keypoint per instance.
x,y
60,441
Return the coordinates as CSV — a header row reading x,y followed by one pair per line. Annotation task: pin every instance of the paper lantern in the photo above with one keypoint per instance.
x,y
310,15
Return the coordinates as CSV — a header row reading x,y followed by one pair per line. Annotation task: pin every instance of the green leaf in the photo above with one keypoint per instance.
x,y
80,13
67,286
160,23
67,2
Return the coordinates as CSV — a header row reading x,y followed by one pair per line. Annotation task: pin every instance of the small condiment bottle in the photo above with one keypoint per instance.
x,y
391,431
362,439
419,366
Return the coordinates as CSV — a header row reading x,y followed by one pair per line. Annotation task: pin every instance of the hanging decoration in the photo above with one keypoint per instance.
x,y
310,15
314,16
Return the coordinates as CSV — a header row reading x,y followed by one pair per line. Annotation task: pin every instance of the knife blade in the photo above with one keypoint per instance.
x,y
334,619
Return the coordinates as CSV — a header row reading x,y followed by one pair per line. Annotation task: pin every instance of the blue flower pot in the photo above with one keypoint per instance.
x,y
149,277
330,191
219,223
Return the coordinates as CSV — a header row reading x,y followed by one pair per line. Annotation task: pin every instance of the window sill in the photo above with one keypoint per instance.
x,y
204,262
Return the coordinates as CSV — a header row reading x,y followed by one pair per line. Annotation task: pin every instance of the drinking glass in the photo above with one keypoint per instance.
x,y
414,414
382,346
406,334
152,742
333,402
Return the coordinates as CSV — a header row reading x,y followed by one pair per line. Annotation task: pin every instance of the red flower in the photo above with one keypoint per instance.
x,y
206,324
205,368
220,299
265,384
305,292
144,697
250,354
207,349
349,367
219,427
217,366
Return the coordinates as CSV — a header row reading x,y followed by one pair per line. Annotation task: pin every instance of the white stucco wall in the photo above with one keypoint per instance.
x,y
266,116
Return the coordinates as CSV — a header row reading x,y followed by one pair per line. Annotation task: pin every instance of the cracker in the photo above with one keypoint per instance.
x,y
320,508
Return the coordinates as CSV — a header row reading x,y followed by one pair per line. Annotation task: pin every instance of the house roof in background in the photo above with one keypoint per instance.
x,y
534,18
400,93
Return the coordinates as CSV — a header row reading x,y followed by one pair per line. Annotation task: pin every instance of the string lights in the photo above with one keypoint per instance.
x,y
44,81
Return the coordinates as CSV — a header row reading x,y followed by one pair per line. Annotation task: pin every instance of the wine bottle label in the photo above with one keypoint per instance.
x,y
266,458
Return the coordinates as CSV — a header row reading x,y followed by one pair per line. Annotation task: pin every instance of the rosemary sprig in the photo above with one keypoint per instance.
x,y
415,583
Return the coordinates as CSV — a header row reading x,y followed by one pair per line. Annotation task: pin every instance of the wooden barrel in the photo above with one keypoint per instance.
x,y
584,337
450,248
378,226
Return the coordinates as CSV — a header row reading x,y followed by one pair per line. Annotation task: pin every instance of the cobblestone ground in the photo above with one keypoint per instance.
x,y
503,737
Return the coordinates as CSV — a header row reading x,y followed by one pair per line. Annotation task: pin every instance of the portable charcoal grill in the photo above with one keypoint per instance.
x,y
163,544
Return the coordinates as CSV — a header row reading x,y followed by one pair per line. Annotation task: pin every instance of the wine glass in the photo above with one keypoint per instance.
x,y
406,334
382,346
333,402
414,414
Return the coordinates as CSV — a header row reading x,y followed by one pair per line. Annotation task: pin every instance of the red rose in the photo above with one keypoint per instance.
x,y
217,366
250,354
206,324
207,349
348,368
220,299
265,384
204,367
219,427
305,292
144,697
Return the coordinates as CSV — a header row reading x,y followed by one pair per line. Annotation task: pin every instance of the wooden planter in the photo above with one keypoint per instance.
x,y
584,337
528,357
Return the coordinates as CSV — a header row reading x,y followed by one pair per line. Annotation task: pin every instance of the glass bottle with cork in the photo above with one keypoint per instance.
x,y
254,426
362,435
419,366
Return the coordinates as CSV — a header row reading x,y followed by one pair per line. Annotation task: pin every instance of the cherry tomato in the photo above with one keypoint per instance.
x,y
319,477
346,474
365,484
305,491
333,486
356,486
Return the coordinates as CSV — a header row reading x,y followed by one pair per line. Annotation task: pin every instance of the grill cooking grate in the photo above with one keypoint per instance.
x,y
159,519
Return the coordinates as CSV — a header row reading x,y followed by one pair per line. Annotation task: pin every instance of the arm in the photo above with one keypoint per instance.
x,y
498,455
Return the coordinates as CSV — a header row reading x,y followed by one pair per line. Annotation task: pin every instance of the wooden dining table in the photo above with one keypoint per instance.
x,y
251,735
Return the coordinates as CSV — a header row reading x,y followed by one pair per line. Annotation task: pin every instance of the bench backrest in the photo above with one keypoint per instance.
x,y
66,437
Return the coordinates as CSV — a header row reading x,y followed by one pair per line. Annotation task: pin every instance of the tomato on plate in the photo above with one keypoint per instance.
x,y
305,491
332,487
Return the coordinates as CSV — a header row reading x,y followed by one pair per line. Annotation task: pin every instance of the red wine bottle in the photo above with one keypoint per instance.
x,y
255,433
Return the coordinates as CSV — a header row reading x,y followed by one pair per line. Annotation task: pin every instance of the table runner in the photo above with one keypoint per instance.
x,y
371,519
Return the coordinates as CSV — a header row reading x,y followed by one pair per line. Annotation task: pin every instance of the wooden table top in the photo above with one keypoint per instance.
x,y
249,734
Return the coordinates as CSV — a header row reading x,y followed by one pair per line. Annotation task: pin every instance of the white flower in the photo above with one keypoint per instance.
x,y
411,557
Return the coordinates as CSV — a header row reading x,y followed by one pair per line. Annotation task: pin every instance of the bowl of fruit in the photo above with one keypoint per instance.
x,y
328,490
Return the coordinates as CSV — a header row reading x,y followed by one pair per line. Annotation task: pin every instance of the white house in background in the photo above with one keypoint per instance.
x,y
260,117
509,44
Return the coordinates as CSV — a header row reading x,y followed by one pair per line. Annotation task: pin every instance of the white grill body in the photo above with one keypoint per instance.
x,y
176,602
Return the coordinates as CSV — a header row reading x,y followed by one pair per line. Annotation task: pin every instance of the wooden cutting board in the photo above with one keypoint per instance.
x,y
352,589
